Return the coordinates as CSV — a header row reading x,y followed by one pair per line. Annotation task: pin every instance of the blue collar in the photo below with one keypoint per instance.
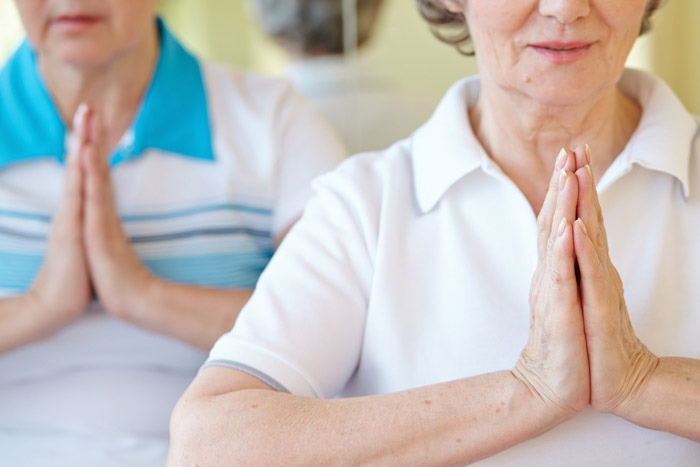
x,y
173,116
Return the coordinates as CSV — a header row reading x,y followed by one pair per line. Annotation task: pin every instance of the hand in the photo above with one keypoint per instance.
x,y
120,279
620,364
62,287
554,363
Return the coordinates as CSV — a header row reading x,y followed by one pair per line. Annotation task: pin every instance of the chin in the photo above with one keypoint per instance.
x,y
80,57
562,89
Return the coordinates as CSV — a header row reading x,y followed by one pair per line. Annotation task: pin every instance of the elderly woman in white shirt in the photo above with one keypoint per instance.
x,y
456,298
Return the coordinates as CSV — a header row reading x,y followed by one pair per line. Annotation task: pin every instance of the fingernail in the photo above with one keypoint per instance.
x,y
587,153
562,227
562,179
561,159
79,114
582,226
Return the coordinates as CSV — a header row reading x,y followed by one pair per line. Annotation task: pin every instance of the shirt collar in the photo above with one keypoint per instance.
x,y
445,149
173,116
665,133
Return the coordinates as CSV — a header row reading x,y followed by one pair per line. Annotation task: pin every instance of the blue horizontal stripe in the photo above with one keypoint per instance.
x,y
17,271
227,270
164,237
25,215
234,270
154,216
197,210
22,235
210,232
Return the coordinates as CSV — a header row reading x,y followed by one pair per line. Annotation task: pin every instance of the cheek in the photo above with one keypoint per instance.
x,y
495,26
131,18
624,31
33,19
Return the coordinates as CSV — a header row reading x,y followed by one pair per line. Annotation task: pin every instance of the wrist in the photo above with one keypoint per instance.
x,y
38,317
133,300
543,411
637,381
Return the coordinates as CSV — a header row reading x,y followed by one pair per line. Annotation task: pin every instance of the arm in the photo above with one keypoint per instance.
x,y
61,291
627,379
669,400
230,418
192,314
23,319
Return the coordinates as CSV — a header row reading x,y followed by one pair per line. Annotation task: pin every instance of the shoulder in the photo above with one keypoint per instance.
x,y
244,90
371,180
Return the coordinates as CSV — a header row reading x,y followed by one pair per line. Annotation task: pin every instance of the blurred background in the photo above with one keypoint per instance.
x,y
224,30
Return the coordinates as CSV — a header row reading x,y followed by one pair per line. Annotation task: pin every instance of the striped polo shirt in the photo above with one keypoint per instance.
x,y
214,168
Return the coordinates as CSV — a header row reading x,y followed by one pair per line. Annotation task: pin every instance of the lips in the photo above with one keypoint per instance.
x,y
562,52
76,22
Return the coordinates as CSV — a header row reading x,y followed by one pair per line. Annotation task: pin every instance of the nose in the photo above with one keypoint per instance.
x,y
565,11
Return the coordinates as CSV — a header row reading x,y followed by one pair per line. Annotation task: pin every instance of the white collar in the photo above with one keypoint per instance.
x,y
664,136
445,148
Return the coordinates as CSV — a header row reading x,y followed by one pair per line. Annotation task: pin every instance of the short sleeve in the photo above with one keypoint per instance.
x,y
303,328
306,147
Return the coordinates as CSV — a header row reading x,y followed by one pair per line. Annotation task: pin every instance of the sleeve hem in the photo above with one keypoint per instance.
x,y
264,377
263,364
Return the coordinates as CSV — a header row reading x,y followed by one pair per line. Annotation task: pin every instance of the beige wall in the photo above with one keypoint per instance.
x,y
221,29
675,52
411,54
10,28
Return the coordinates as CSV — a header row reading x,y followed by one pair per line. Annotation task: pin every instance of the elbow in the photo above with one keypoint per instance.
x,y
186,430
205,433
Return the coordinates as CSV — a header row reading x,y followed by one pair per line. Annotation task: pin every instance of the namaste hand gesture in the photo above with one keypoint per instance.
x,y
582,348
88,251
87,247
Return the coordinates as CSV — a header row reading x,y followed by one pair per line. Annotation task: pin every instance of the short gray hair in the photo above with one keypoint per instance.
x,y
313,26
452,27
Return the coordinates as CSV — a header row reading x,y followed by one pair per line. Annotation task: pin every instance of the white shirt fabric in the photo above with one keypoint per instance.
x,y
100,392
412,267
367,108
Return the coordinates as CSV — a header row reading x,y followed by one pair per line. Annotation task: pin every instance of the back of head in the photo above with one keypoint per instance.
x,y
313,27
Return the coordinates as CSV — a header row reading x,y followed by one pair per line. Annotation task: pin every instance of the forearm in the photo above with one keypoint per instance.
x,y
192,314
452,423
670,399
24,320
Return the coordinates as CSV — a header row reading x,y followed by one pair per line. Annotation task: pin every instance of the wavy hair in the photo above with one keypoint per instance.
x,y
313,26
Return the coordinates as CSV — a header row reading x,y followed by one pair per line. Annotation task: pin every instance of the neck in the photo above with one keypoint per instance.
x,y
524,136
114,88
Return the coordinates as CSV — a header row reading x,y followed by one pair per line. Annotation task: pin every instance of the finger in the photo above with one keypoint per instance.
x,y
562,271
101,214
98,183
566,201
589,210
544,219
582,155
591,269
70,208
78,136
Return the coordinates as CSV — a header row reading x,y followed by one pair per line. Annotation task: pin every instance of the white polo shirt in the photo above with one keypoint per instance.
x,y
216,165
412,266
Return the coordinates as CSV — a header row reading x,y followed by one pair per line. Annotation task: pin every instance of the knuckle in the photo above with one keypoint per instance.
x,y
556,277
